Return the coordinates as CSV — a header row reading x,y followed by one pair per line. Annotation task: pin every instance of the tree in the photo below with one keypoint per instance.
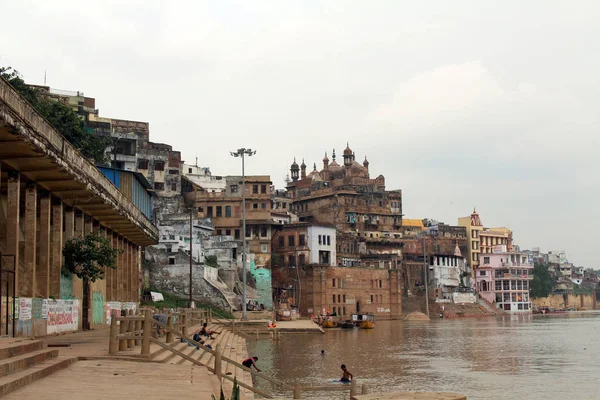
x,y
62,117
543,282
87,257
211,261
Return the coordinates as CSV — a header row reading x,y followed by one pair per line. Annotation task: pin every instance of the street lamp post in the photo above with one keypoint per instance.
x,y
425,268
242,153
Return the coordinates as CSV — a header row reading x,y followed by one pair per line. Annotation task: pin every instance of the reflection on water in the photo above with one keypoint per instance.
x,y
518,357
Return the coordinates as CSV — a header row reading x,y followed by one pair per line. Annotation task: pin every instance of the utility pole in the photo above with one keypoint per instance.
x,y
242,153
425,268
191,258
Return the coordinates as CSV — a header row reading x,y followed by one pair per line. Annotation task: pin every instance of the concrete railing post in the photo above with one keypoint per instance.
x,y
147,332
352,388
218,370
170,338
296,392
122,332
185,320
137,328
130,330
113,342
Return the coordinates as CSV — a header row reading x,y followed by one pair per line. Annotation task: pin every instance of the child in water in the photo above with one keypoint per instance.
x,y
347,376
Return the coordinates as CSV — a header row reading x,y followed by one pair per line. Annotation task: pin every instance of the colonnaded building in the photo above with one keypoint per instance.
x,y
49,193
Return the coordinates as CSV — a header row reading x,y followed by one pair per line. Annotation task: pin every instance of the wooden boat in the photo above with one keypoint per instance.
x,y
365,321
367,325
328,324
347,325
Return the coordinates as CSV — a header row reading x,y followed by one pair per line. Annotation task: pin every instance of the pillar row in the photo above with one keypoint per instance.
x,y
57,247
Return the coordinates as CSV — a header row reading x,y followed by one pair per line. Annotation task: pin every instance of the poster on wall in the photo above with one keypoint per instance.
x,y
130,305
110,306
44,308
63,316
25,307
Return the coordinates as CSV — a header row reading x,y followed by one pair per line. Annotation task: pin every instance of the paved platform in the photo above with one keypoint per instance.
x,y
108,379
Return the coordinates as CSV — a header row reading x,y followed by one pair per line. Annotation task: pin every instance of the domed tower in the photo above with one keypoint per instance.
x,y
303,170
294,169
348,156
366,163
325,162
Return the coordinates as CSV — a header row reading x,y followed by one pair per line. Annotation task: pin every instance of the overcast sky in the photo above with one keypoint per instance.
x,y
492,104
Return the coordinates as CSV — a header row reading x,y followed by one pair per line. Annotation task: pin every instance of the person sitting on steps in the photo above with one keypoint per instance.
x,y
205,332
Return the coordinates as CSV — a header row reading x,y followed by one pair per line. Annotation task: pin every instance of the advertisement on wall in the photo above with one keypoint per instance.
x,y
63,316
499,248
25,307
110,306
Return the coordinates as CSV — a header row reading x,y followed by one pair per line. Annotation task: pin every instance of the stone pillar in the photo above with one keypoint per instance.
x,y
127,271
136,272
27,270
120,296
108,272
78,219
42,284
114,272
57,247
13,232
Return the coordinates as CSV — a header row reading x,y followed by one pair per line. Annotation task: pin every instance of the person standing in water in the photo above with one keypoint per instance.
x,y
347,375
322,353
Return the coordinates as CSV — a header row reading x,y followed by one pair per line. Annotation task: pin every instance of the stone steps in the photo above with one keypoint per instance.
x,y
22,363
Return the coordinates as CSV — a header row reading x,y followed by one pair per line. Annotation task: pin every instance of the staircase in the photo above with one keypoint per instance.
x,y
227,293
24,362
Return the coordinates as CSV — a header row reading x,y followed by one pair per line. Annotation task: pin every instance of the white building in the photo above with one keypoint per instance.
x,y
322,245
446,270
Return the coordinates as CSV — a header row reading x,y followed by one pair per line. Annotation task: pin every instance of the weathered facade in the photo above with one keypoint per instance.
x,y
368,219
49,193
327,289
301,244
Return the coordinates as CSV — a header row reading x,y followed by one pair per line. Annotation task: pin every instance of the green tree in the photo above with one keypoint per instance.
x,y
62,117
211,261
543,282
87,257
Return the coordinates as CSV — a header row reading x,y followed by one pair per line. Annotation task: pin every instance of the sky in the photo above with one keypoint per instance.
x,y
460,104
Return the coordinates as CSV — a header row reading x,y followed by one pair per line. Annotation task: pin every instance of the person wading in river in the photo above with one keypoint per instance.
x,y
347,376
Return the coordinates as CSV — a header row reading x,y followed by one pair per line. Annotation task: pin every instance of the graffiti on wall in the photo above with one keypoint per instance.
x,y
263,284
66,286
109,307
63,316
97,308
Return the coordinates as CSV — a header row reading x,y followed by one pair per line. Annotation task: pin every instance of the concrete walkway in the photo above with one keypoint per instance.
x,y
108,379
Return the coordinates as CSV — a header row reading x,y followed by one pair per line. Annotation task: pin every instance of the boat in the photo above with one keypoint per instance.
x,y
365,321
328,324
347,325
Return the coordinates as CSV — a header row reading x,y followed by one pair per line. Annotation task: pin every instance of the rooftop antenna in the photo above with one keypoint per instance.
x,y
44,77
196,161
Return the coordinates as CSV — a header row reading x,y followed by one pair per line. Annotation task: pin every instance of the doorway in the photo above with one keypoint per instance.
x,y
7,295
358,307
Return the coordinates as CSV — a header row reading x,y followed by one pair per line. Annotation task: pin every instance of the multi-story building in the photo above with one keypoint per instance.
x,y
281,208
221,200
504,279
447,272
300,244
368,218
483,240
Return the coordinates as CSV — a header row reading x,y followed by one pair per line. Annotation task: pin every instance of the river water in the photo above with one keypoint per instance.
x,y
511,357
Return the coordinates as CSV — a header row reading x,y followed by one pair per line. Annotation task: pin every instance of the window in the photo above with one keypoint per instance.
x,y
291,241
526,306
174,186
200,209
302,259
233,188
505,285
254,189
319,239
237,233
263,205
482,273
189,170
498,285
255,206
247,233
344,299
339,298
301,240
333,299
209,211
371,298
159,186
333,282
228,232
380,283
284,205
159,165
264,248
171,237
263,231
255,231
486,260
219,211
263,189
218,232
328,240
173,172
520,306
281,241
228,211
291,261
171,260
142,164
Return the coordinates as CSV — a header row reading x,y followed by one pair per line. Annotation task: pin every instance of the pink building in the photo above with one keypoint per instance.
x,y
504,279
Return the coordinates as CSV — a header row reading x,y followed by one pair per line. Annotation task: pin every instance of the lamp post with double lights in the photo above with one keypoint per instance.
x,y
243,153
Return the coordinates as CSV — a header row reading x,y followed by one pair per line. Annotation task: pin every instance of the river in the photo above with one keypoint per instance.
x,y
511,357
